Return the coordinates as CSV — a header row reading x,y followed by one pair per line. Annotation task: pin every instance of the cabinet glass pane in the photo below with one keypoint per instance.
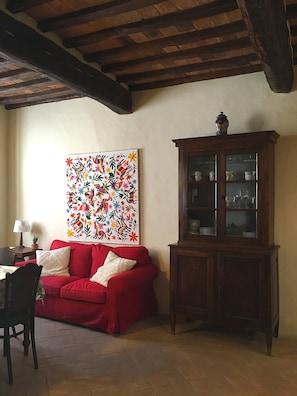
x,y
202,168
241,167
202,195
241,224
202,222
241,200
241,196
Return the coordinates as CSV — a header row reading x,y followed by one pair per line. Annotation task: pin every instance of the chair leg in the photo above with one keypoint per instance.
x,y
14,331
8,354
26,341
32,331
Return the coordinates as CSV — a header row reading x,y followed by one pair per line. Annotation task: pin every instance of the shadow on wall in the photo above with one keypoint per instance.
x,y
257,122
161,284
286,190
286,229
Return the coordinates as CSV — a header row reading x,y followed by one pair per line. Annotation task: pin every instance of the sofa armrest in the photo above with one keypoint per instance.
x,y
22,263
132,279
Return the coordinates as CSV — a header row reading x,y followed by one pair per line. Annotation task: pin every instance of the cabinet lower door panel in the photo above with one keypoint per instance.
x,y
240,290
193,279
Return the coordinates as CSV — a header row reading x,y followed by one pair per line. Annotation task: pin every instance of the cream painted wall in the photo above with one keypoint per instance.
x,y
3,177
43,136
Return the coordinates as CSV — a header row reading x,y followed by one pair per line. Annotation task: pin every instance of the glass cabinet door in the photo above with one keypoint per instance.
x,y
202,187
241,195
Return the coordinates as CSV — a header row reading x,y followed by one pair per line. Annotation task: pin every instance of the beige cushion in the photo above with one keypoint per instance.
x,y
55,262
112,266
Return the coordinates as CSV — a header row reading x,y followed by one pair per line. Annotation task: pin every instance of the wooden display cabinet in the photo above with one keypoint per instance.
x,y
224,267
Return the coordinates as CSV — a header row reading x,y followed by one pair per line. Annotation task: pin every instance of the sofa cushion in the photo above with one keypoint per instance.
x,y
80,257
84,290
100,251
113,265
53,284
54,262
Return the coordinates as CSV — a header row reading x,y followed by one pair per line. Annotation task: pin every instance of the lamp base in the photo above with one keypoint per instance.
x,y
21,241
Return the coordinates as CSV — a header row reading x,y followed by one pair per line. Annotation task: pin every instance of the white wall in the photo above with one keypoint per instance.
x,y
43,136
3,177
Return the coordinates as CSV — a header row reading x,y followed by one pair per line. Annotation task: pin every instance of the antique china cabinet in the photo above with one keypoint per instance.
x,y
224,267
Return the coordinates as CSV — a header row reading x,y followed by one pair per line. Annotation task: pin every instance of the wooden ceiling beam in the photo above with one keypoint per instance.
x,y
162,21
91,14
40,100
15,6
14,73
291,11
206,52
175,72
50,93
114,54
39,83
267,25
209,75
30,49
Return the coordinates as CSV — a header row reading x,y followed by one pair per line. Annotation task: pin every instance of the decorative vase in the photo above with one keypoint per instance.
x,y
34,246
222,124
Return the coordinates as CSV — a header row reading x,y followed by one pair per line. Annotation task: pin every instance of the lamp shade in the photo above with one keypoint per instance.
x,y
21,226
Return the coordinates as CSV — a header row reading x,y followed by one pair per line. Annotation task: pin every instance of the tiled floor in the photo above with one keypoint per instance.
x,y
148,361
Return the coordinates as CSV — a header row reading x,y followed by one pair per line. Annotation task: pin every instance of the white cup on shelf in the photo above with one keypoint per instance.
x,y
248,175
198,176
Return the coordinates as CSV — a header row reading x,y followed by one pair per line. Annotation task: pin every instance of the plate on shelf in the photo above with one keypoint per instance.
x,y
207,230
249,234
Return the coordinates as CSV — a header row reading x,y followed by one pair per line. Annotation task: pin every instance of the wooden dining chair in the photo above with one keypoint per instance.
x,y
19,308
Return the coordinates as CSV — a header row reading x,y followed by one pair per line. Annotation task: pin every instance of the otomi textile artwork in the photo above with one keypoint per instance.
x,y
102,197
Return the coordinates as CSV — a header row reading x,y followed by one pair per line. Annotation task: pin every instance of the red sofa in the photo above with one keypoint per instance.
x,y
128,297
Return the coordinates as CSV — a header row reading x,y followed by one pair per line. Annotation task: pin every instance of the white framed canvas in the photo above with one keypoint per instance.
x,y
102,197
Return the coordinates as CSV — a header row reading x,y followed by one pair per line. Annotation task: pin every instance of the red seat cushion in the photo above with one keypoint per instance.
x,y
84,290
80,257
52,284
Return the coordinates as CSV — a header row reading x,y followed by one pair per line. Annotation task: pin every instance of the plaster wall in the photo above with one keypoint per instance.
x,y
3,176
43,136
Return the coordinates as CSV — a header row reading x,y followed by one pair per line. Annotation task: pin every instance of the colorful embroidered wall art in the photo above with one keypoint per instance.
x,y
102,197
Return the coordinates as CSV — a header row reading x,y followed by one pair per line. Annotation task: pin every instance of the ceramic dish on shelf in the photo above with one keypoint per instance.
x,y
207,230
246,234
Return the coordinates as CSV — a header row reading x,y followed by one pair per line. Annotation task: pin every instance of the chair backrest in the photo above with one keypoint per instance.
x,y
20,291
7,257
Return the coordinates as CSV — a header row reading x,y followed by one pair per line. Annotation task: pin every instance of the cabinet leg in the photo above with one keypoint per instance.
x,y
275,332
269,342
172,323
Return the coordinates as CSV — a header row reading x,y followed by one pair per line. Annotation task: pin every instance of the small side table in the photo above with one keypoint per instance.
x,y
21,252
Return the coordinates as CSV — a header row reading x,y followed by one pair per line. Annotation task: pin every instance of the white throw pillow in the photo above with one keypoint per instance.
x,y
54,262
112,266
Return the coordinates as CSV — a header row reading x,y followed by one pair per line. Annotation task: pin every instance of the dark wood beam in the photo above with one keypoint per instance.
x,y
172,19
114,54
90,14
50,93
38,53
22,5
39,100
197,77
206,52
175,72
267,25
14,87
291,11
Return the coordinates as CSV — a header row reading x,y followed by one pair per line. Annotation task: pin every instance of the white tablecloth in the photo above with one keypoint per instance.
x,y
6,268
10,268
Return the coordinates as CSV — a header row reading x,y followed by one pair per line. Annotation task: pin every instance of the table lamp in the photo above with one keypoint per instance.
x,y
21,226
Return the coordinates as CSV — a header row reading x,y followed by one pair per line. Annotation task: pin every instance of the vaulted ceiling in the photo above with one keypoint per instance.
x,y
53,50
